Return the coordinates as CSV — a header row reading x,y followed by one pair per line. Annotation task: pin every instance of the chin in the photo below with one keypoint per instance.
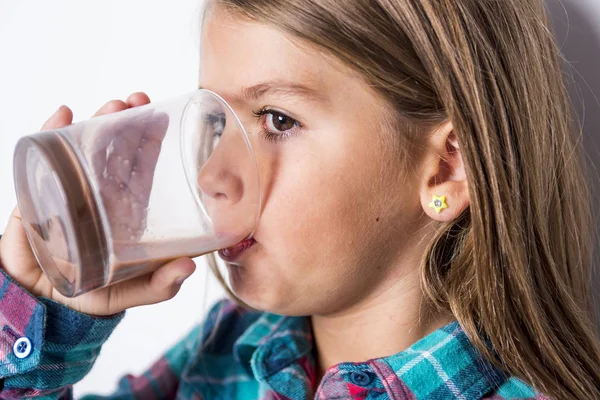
x,y
255,297
262,291
264,299
274,305
246,287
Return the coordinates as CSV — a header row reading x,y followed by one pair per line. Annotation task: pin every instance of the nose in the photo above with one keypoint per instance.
x,y
221,176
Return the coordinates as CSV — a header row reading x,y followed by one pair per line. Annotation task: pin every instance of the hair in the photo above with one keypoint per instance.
x,y
515,268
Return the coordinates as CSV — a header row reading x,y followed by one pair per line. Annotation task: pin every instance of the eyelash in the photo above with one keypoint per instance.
x,y
275,137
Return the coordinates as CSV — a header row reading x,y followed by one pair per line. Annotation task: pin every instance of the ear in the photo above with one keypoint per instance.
x,y
443,189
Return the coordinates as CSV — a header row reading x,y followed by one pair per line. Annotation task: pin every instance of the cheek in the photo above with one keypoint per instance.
x,y
327,218
321,199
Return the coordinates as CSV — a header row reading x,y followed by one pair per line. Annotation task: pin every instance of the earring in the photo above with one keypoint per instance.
x,y
438,203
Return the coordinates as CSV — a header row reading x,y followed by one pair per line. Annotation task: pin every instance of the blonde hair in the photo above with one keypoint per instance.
x,y
514,268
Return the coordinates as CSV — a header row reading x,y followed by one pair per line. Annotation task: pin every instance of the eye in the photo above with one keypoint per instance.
x,y
279,122
276,125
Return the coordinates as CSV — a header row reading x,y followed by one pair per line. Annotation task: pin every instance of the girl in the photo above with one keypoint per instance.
x,y
425,230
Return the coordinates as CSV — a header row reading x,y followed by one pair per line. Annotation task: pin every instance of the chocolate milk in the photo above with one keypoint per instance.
x,y
148,256
74,239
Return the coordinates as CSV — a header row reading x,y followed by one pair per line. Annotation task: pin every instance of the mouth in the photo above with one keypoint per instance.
x,y
232,253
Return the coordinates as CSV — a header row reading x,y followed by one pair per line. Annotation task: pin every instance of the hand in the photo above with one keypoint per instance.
x,y
17,259
123,156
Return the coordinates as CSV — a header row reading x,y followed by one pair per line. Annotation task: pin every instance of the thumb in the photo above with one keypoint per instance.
x,y
162,284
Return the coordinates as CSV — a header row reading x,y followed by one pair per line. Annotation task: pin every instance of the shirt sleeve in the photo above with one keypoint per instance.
x,y
161,380
45,347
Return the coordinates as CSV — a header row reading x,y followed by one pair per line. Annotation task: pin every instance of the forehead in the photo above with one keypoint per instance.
x,y
238,53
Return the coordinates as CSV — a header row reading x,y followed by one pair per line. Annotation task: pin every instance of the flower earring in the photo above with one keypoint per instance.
x,y
438,203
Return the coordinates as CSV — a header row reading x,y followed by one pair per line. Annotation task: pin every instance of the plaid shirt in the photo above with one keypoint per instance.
x,y
46,347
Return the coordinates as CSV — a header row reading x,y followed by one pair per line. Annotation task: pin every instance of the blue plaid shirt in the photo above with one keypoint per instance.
x,y
46,347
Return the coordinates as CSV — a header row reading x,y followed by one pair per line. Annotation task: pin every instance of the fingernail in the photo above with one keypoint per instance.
x,y
58,109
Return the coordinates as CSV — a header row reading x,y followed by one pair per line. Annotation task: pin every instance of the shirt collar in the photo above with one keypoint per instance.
x,y
447,355
274,342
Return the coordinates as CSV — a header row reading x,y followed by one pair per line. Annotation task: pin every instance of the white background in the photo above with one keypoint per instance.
x,y
83,53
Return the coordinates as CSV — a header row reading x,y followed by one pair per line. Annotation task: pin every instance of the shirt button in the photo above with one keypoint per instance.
x,y
360,378
22,347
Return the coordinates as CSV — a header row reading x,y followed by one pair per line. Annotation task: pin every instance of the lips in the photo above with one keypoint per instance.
x,y
231,253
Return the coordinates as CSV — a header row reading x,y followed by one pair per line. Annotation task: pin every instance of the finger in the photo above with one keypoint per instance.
x,y
16,255
108,131
111,107
62,117
14,234
123,136
125,208
148,153
136,151
127,147
163,284
137,99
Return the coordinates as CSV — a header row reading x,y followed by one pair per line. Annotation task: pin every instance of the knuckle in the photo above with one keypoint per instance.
x,y
111,107
170,292
115,299
116,105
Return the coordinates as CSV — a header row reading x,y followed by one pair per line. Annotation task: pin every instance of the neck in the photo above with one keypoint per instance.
x,y
385,323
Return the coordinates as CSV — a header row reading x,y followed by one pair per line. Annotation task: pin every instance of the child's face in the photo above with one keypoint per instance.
x,y
340,219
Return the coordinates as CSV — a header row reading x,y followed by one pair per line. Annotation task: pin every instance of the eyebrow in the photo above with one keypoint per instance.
x,y
280,89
